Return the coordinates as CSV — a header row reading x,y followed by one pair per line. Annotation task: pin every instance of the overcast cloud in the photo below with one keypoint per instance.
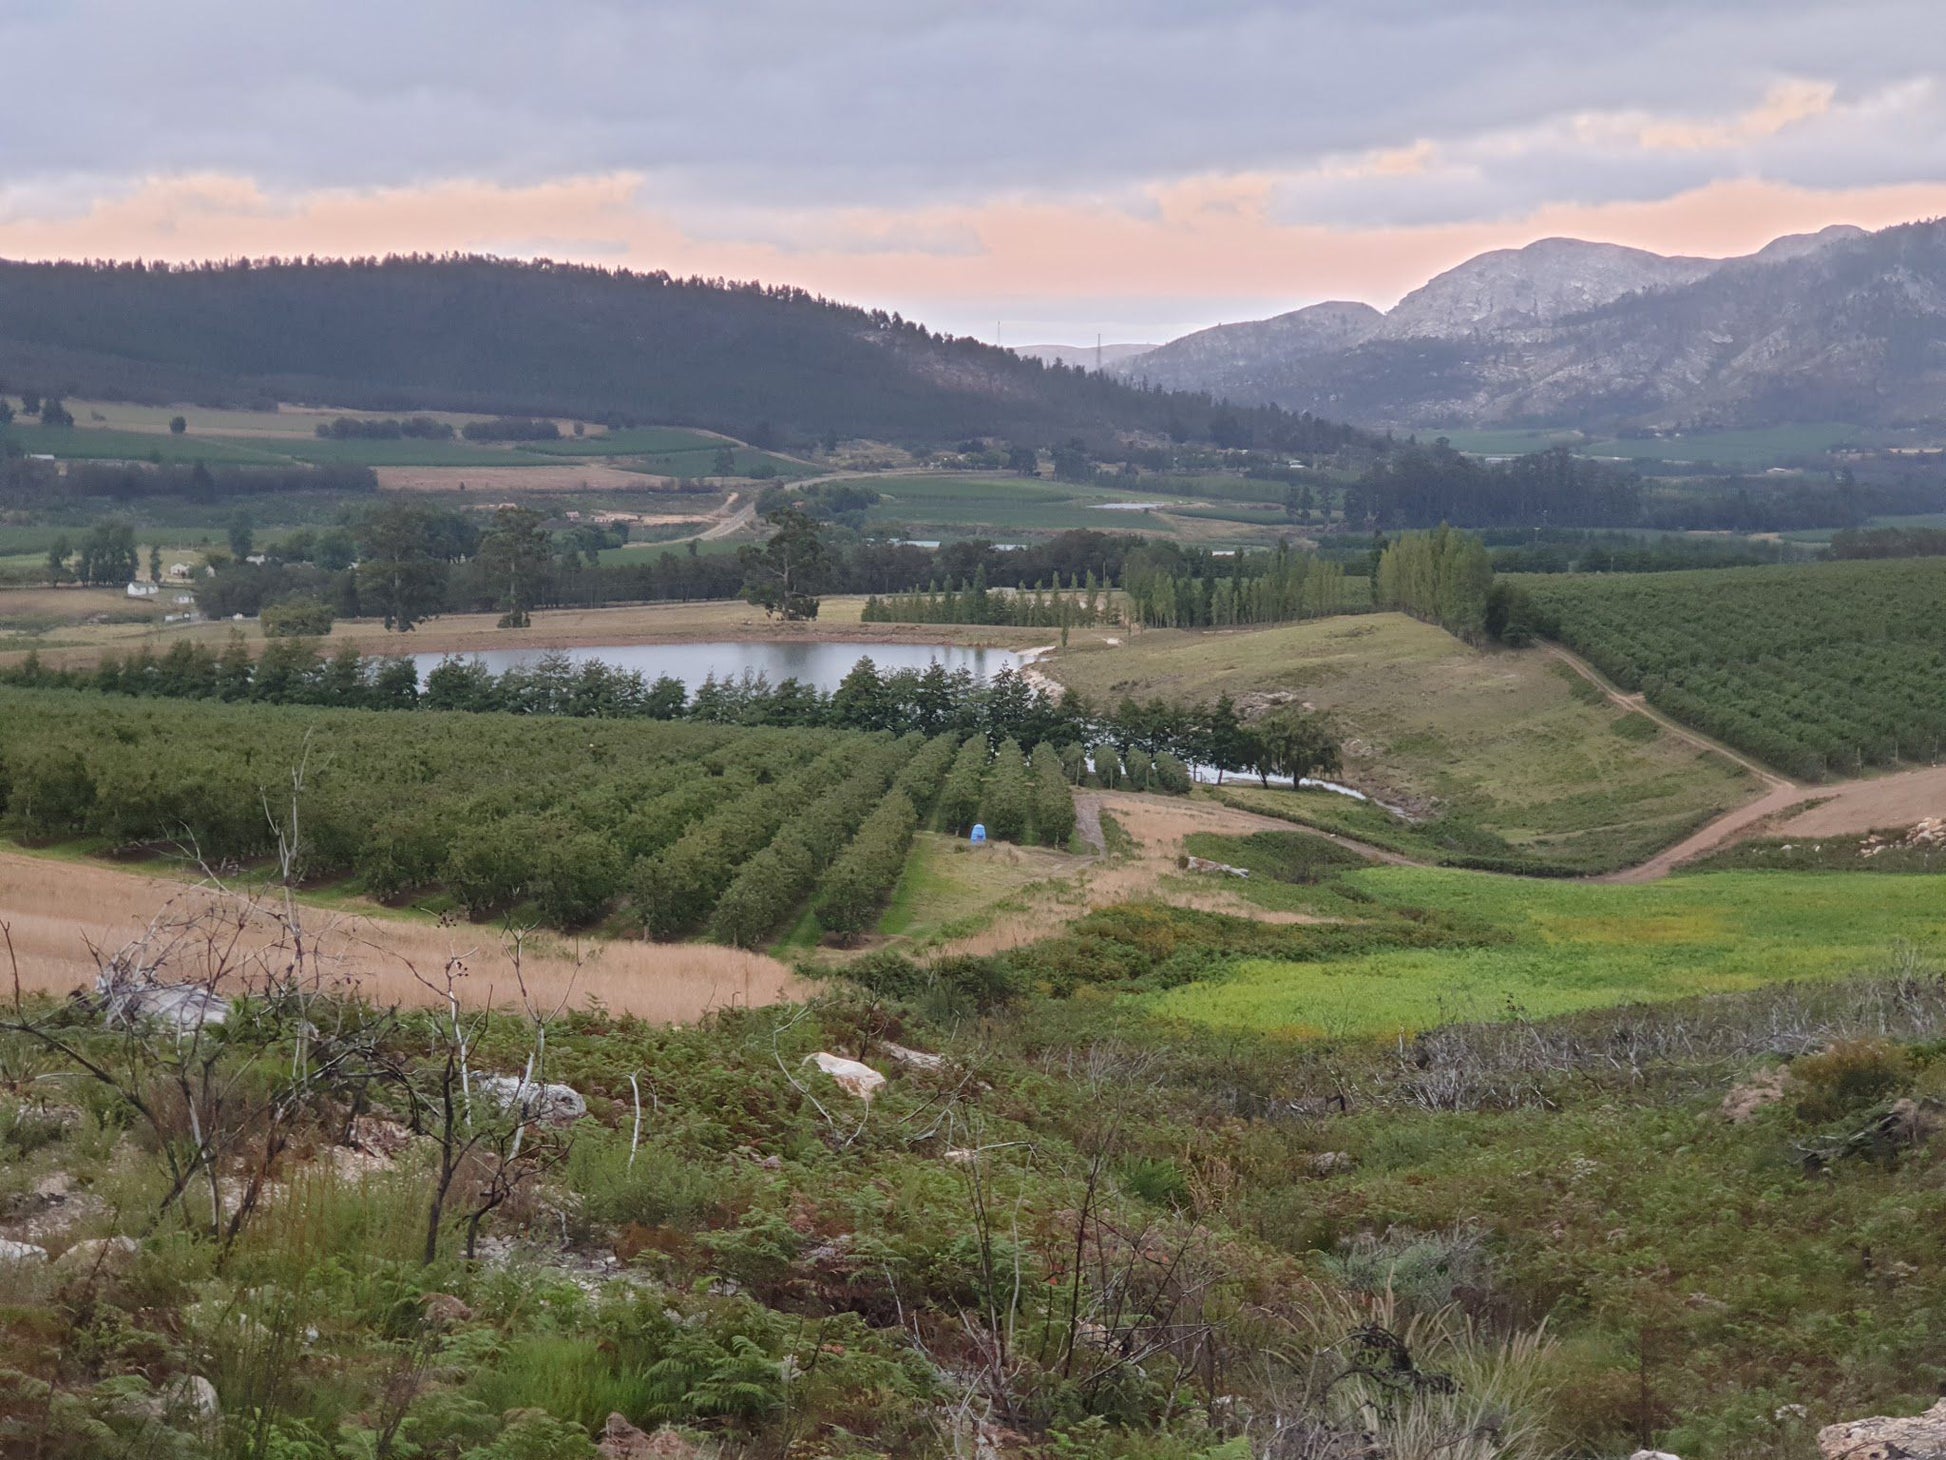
x,y
810,130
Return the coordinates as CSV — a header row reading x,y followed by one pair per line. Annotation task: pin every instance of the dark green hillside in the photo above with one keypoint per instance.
x,y
478,334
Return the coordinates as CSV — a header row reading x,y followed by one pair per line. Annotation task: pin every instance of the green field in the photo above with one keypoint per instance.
x,y
1572,946
1482,741
110,431
85,443
1003,507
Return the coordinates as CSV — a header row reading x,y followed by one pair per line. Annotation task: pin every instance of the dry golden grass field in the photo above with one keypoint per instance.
x,y
58,912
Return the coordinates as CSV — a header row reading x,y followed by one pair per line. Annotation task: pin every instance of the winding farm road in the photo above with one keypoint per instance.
x,y
1836,808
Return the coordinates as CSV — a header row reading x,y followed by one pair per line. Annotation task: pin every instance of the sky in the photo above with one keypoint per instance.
x,y
1040,169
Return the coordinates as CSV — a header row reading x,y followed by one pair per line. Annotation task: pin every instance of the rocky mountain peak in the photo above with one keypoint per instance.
x,y
1547,281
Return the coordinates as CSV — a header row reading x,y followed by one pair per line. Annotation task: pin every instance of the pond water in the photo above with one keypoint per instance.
x,y
822,663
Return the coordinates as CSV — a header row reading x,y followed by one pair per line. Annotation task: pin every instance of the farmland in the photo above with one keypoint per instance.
x,y
1340,1091
1819,669
1182,1037
682,829
112,431
1502,750
1010,507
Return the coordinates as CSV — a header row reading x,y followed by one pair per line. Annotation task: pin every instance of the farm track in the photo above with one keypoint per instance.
x,y
1835,808
1641,706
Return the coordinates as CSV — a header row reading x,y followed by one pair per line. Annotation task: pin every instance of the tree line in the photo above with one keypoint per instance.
x,y
1171,586
1062,606
932,701
389,428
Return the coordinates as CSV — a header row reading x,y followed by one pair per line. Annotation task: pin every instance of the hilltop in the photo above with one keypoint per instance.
x,y
1837,325
762,363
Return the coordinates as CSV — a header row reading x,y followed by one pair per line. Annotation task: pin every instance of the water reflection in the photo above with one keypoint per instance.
x,y
822,663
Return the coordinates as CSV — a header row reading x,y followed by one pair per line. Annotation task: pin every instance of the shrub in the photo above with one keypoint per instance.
x,y
678,889
888,973
1420,1269
1008,800
1172,776
1849,1076
924,775
405,850
775,881
963,980
575,876
51,794
1141,769
857,885
1053,798
984,983
959,800
492,864
296,618
1155,1179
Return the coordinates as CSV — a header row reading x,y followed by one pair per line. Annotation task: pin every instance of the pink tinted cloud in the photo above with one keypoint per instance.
x,y
1211,239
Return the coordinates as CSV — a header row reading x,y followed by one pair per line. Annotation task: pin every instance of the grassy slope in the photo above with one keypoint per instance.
x,y
1495,737
949,891
1576,946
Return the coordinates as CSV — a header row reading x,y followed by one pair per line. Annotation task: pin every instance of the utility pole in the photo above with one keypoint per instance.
x,y
1097,352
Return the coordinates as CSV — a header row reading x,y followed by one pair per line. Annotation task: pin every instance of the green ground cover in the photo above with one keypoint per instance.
x,y
1002,506
1575,946
85,443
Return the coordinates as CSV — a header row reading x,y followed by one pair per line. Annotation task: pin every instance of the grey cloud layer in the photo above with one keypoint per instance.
x,y
906,102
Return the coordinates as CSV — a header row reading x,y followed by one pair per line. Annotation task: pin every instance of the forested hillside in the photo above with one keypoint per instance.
x,y
766,364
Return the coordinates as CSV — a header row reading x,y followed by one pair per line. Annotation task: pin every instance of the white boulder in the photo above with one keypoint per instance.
x,y
918,1059
548,1104
851,1076
133,996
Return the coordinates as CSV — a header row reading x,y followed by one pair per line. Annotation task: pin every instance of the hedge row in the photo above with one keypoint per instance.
x,y
774,883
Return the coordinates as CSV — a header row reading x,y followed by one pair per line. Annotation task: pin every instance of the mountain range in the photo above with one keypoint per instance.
x,y
1839,325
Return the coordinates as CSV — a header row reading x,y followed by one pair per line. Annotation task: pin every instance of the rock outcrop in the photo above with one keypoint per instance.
x,y
1919,1437
849,1075
1837,325
548,1104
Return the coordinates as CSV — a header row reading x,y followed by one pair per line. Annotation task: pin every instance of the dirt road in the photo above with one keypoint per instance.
x,y
1786,808
1622,699
734,519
